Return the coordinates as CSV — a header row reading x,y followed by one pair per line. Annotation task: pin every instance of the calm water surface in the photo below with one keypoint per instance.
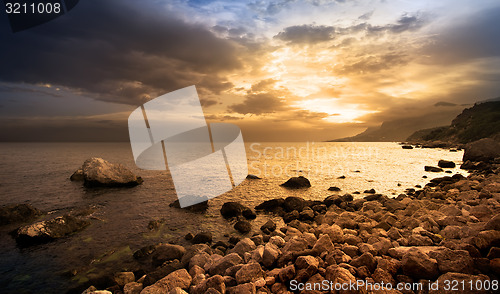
x,y
38,173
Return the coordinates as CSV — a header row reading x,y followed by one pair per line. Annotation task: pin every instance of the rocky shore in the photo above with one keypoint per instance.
x,y
443,238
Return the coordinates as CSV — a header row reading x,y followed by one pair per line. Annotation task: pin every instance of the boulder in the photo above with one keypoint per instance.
x,y
231,209
297,183
270,255
493,223
249,273
457,261
220,266
243,226
294,204
179,278
132,288
432,169
49,230
365,259
419,265
166,252
18,213
482,150
268,227
271,205
98,172
244,245
334,189
247,288
203,237
446,164
209,285
123,278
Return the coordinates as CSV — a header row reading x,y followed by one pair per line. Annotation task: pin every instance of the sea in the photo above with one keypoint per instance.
x,y
38,173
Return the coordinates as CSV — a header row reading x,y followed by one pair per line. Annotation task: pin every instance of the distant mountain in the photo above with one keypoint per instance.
x,y
479,121
398,130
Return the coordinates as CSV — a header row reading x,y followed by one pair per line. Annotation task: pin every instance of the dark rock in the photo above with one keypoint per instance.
x,y
331,200
446,164
371,191
253,177
243,226
341,177
231,209
248,213
365,259
198,207
297,183
432,169
220,266
98,172
407,147
294,203
268,227
457,261
306,214
203,237
144,251
48,230
336,189
189,237
249,273
271,205
493,223
418,265
18,213
482,150
372,197
291,216
166,252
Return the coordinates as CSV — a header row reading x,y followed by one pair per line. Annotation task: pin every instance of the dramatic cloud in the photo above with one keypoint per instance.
x,y
119,53
306,34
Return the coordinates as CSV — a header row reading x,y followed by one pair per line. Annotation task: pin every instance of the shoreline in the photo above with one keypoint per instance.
x,y
449,229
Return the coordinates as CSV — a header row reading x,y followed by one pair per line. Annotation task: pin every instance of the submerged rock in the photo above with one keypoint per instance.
x,y
97,172
446,164
432,169
49,230
297,183
18,213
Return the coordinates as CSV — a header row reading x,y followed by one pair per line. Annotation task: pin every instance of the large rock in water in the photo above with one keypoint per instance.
x,y
18,213
482,150
297,183
98,172
49,230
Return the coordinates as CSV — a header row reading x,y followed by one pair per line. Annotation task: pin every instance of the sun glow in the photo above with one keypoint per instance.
x,y
338,113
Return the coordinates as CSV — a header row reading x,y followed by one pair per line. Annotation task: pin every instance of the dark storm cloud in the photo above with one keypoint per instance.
x,y
404,23
309,34
306,34
476,36
122,51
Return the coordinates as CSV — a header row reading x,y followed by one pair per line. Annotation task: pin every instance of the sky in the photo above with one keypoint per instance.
x,y
285,70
